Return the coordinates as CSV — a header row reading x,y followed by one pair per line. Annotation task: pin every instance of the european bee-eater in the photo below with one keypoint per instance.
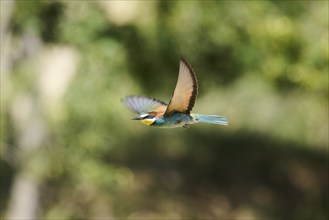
x,y
154,112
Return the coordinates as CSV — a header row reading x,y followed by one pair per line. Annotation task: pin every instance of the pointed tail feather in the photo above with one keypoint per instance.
x,y
212,119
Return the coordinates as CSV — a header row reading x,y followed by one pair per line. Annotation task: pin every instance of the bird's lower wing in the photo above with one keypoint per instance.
x,y
142,104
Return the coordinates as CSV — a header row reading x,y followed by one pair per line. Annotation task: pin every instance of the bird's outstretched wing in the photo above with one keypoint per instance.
x,y
185,92
142,104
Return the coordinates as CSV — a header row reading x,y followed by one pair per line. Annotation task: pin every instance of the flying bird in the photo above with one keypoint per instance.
x,y
177,113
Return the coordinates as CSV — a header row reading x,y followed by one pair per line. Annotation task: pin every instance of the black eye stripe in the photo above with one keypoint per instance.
x,y
148,116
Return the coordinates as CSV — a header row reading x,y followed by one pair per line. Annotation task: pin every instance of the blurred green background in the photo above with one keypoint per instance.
x,y
70,151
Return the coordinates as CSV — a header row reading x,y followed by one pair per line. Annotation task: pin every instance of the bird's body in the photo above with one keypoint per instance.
x,y
177,119
156,113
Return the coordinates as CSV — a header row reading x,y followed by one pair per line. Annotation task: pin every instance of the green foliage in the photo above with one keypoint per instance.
x,y
262,63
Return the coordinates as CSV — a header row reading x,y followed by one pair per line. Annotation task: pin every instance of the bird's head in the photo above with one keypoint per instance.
x,y
146,119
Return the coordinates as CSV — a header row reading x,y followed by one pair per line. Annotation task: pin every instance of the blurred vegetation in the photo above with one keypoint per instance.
x,y
262,63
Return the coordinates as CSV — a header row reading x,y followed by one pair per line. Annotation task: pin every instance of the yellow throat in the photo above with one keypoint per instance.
x,y
148,121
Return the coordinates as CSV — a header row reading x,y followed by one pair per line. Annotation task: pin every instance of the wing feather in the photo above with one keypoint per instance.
x,y
142,104
185,92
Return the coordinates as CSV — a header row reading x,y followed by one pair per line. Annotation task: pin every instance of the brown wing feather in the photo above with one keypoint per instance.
x,y
185,92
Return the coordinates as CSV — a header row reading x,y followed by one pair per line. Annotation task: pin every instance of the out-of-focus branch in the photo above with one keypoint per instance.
x,y
29,128
26,111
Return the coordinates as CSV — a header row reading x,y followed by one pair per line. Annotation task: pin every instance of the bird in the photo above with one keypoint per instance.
x,y
177,113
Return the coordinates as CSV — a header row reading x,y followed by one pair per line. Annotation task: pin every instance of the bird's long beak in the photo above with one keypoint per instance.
x,y
136,118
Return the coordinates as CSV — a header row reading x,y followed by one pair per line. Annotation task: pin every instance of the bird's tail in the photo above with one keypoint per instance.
x,y
212,119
